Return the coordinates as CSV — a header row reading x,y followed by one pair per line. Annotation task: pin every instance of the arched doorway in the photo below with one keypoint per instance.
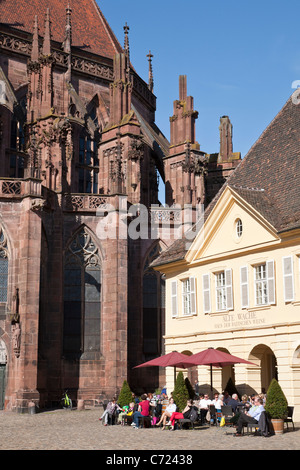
x,y
3,361
268,366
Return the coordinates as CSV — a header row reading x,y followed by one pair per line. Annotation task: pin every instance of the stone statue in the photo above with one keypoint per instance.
x,y
15,316
16,337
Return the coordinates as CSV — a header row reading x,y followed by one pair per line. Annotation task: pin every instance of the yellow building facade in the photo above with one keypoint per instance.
x,y
237,286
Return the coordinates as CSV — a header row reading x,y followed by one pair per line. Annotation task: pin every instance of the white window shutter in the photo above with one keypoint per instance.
x,y
206,293
271,281
193,295
288,278
244,287
174,300
229,291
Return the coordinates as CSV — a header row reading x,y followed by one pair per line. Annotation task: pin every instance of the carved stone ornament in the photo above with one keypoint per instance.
x,y
15,316
16,339
136,151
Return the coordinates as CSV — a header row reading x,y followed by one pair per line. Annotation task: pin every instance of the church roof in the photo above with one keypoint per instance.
x,y
90,30
267,178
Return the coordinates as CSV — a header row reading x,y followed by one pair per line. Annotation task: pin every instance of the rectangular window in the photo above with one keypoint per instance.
x,y
206,293
189,296
261,285
288,278
224,294
174,303
220,291
244,287
186,297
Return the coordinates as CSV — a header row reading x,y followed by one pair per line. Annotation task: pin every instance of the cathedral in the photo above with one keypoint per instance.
x,y
78,146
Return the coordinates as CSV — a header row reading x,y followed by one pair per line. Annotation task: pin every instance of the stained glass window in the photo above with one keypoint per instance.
x,y
82,297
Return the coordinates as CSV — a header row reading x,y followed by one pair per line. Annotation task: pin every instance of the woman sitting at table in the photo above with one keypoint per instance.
x,y
171,408
184,415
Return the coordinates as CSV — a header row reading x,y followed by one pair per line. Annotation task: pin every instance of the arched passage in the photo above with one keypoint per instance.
x,y
261,377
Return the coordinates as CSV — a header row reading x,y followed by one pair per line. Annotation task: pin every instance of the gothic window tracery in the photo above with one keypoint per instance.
x,y
153,306
82,296
17,142
88,167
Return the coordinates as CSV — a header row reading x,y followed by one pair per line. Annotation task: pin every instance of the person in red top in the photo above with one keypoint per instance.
x,y
143,410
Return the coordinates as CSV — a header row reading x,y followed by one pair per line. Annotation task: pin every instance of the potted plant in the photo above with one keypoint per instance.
x,y
276,406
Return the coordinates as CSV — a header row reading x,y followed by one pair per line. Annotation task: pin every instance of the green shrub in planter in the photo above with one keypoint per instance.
x,y
125,396
180,394
276,403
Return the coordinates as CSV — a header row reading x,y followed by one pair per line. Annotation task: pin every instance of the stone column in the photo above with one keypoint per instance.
x,y
24,365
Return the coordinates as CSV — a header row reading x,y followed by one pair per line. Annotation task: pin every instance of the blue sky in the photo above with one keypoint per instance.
x,y
240,58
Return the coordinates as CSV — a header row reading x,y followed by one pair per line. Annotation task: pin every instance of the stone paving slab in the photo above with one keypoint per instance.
x,y
82,430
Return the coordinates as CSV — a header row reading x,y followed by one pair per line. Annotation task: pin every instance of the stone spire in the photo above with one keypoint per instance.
x,y
150,82
126,49
126,40
35,41
47,35
67,45
226,147
184,117
68,29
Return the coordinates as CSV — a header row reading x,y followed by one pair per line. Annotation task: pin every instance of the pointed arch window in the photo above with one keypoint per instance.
x,y
153,307
88,167
82,297
16,149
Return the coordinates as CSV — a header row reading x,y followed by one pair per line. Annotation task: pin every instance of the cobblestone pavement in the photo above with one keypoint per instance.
x,y
82,430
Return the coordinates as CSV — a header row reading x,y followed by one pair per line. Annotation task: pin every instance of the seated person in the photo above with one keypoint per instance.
x,y
226,397
233,402
252,416
143,410
111,408
203,405
218,403
184,415
126,411
171,408
135,398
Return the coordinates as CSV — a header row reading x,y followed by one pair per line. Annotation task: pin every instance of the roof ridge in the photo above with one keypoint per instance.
x,y
258,140
90,30
108,29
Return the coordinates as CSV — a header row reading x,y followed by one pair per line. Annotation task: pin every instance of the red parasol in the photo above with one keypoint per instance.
x,y
172,359
214,358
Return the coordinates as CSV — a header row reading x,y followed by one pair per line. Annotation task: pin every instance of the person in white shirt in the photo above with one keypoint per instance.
x,y
171,408
252,416
217,402
203,405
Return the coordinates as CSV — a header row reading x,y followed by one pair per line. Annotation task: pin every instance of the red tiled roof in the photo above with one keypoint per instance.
x,y
267,178
90,30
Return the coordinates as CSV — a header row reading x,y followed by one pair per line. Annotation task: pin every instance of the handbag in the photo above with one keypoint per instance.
x,y
222,422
